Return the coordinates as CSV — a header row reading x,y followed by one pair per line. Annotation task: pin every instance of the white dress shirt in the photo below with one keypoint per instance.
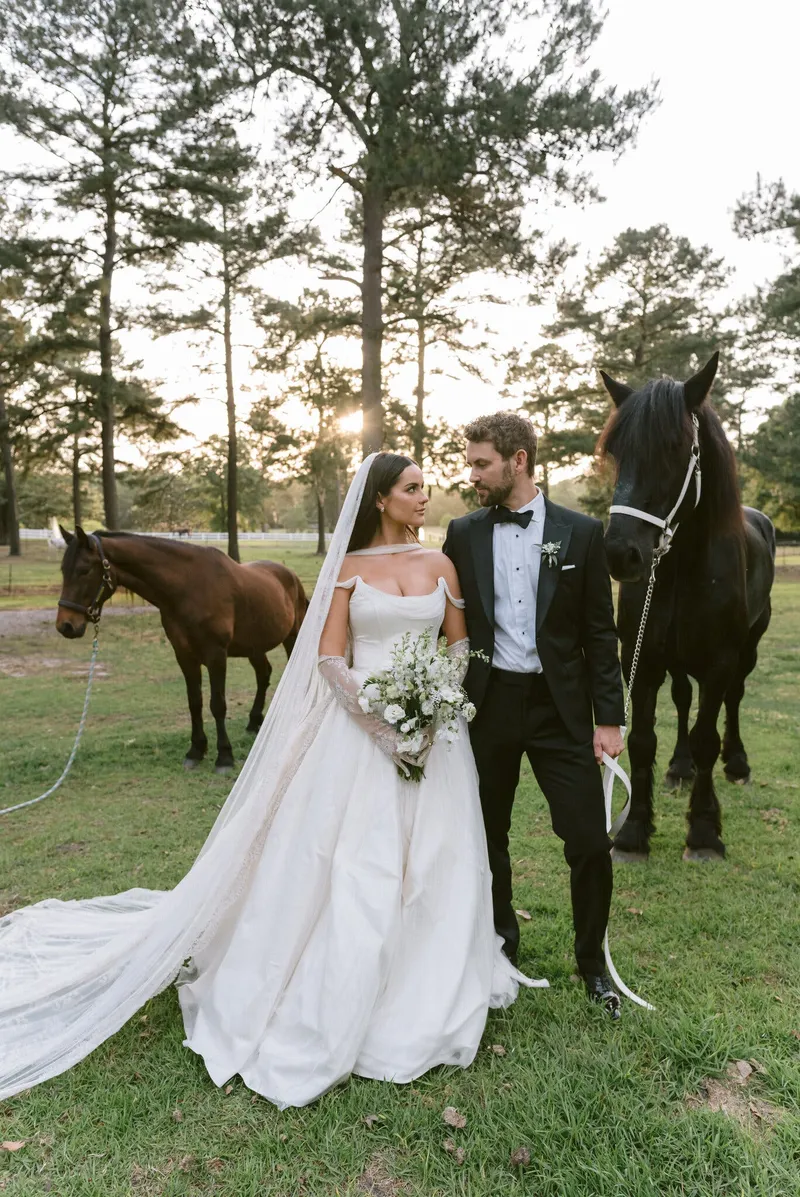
x,y
517,559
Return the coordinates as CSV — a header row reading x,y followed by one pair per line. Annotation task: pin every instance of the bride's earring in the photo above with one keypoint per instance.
x,y
381,509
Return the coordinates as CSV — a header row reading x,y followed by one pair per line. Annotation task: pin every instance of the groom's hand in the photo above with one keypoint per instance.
x,y
607,739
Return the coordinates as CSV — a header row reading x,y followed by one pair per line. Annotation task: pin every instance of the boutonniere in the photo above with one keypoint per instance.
x,y
550,552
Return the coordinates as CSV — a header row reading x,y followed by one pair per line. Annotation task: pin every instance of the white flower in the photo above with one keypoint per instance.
x,y
372,691
392,692
363,702
469,712
428,707
393,713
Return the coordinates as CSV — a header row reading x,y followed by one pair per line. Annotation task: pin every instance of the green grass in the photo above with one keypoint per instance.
x,y
604,1111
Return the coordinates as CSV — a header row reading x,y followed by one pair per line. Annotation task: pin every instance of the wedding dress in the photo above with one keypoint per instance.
x,y
338,919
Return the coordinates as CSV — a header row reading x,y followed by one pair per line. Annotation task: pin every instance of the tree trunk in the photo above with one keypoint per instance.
x,y
372,320
320,524
106,396
230,399
76,480
11,516
419,422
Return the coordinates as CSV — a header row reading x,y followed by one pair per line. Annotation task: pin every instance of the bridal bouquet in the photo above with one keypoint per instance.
x,y
419,694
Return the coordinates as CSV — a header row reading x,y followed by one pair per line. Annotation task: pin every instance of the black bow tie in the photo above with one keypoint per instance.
x,y
502,515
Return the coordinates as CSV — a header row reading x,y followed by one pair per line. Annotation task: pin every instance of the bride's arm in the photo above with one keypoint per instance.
x,y
454,625
333,641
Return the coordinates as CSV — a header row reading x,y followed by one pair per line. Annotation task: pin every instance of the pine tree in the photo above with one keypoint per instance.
x,y
400,98
222,218
773,210
92,85
300,340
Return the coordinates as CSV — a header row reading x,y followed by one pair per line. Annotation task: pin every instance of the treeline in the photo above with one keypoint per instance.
x,y
145,204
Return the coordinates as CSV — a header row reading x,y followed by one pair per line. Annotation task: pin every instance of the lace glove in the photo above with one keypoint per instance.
x,y
345,686
460,652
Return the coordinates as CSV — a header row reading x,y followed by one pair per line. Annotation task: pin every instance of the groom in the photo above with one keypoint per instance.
x,y
538,603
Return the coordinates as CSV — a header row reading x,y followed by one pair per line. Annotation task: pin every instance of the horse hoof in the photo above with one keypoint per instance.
x,y
738,781
253,727
702,854
619,856
223,770
191,763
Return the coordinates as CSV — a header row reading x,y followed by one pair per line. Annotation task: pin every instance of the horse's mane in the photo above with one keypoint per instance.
x,y
654,424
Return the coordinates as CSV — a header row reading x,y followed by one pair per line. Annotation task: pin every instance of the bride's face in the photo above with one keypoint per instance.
x,y
406,501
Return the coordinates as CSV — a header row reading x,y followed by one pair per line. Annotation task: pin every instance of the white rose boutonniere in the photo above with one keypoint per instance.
x,y
550,552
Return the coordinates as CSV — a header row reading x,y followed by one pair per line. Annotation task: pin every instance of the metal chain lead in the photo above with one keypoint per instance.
x,y
81,725
640,637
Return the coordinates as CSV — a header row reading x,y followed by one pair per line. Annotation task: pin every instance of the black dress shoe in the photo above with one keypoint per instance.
x,y
600,989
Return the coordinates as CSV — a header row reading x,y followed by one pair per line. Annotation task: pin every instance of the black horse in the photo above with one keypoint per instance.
x,y
711,600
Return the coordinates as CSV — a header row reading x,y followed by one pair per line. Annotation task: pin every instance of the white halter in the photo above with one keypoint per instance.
x,y
666,525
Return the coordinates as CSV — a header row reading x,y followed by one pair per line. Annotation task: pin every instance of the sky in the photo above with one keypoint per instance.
x,y
727,79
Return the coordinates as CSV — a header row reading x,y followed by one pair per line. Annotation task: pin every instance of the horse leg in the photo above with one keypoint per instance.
x,y
263,671
217,666
681,767
190,667
633,839
734,757
704,816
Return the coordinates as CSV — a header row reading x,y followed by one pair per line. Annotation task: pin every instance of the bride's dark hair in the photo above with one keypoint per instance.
x,y
384,472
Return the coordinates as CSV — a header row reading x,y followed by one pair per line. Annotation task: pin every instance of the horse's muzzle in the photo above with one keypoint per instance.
x,y
70,626
625,561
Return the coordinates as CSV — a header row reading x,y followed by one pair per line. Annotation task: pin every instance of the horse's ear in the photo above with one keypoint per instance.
x,y
696,388
83,539
619,391
68,536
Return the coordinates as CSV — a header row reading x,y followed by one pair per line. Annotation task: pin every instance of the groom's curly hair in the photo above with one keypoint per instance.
x,y
508,431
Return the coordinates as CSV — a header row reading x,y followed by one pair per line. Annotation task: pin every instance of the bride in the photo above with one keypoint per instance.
x,y
338,918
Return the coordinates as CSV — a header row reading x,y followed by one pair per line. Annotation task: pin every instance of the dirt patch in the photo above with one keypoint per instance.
x,y
19,623
11,666
376,1181
11,902
787,573
732,1098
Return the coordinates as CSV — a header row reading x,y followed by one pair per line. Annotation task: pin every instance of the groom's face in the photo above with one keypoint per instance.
x,y
491,475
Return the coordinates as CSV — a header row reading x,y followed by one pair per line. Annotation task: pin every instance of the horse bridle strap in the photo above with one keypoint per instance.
x,y
692,471
107,584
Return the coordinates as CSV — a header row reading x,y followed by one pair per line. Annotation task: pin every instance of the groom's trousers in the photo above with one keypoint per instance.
x,y
516,717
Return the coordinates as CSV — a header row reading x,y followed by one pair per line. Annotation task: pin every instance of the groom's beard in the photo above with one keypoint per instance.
x,y
497,495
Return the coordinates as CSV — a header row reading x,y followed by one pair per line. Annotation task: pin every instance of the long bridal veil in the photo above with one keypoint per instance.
x,y
72,973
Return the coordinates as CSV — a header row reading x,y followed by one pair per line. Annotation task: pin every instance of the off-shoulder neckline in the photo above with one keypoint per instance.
x,y
351,583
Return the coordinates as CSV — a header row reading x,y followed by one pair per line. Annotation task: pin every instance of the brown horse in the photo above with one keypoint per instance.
x,y
211,608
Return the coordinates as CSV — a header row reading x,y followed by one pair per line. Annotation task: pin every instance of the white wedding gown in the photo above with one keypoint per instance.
x,y
338,918
365,942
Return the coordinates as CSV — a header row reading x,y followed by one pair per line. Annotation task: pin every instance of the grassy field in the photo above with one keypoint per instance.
x,y
643,1109
33,581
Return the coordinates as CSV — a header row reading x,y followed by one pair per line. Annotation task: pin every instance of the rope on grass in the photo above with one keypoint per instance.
x,y
81,726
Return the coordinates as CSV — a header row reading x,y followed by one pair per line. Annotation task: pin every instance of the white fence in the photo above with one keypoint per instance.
x,y
205,537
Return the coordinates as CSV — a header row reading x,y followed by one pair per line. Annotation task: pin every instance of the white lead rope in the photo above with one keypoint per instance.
x,y
614,769
81,725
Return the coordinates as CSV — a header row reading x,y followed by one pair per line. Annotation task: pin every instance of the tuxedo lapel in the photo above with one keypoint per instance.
x,y
481,538
554,533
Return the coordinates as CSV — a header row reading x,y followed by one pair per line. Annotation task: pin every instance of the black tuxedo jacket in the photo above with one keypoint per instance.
x,y
575,633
